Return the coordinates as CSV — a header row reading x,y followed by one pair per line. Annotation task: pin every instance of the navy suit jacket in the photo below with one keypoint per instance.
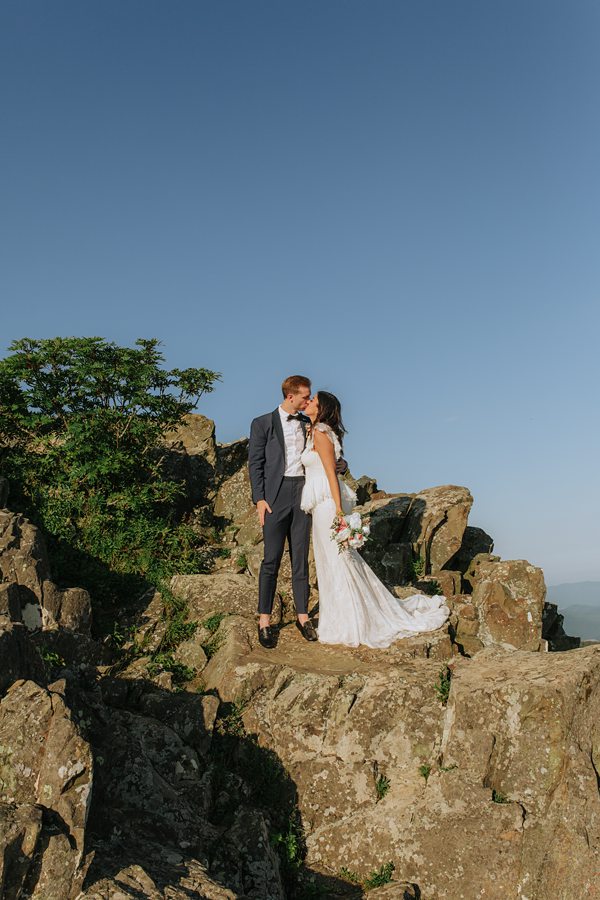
x,y
266,455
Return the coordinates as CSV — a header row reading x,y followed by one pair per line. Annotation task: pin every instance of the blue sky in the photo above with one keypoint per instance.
x,y
399,199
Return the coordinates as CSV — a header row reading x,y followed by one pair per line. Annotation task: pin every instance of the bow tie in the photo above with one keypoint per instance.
x,y
294,419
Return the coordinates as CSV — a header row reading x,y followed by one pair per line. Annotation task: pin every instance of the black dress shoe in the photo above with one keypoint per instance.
x,y
307,631
266,637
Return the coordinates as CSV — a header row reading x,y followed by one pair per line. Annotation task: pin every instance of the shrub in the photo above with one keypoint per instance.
x,y
82,428
433,588
213,622
417,567
165,662
52,660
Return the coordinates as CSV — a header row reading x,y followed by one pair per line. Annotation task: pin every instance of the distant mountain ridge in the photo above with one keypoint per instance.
x,y
579,602
578,593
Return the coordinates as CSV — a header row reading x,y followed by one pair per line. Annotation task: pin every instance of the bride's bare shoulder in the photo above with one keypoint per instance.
x,y
322,432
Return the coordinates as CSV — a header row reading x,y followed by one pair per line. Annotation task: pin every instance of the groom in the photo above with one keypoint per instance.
x,y
277,441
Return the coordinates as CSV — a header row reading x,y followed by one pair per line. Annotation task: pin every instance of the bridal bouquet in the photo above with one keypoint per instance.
x,y
350,531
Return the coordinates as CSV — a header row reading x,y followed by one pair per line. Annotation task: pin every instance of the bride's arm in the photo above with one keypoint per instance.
x,y
325,449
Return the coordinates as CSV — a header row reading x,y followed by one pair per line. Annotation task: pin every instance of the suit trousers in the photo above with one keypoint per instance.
x,y
286,520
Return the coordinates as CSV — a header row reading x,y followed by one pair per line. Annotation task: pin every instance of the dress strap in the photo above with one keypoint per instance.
x,y
326,429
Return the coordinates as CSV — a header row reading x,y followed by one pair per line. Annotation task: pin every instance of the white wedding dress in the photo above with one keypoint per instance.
x,y
354,606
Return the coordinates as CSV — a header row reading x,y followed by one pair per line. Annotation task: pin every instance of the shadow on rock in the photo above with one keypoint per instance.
x,y
185,799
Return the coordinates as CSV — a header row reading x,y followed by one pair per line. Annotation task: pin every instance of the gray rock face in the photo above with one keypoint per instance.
x,y
20,831
224,592
509,596
427,526
192,457
472,775
365,487
18,657
474,541
436,524
553,631
512,757
45,783
24,563
233,501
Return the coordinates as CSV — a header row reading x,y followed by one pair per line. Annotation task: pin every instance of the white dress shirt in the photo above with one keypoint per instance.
x,y
293,437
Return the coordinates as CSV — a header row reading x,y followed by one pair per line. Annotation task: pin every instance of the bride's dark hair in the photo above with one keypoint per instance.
x,y
330,412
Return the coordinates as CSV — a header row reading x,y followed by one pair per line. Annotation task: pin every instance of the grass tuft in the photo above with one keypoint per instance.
x,y
442,688
381,876
382,786
425,771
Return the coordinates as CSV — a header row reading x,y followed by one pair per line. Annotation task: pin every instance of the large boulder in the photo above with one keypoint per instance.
x,y
427,527
386,772
174,875
19,658
231,458
191,457
21,828
149,779
223,592
196,434
436,522
509,598
10,601
474,541
24,562
553,631
387,541
522,732
233,500
44,764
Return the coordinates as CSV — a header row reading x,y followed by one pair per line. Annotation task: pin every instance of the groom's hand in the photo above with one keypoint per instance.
x,y
262,508
341,466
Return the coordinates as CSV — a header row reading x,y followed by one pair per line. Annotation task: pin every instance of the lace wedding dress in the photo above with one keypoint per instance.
x,y
354,606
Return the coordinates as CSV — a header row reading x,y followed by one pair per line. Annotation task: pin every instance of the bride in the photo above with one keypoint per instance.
x,y
354,606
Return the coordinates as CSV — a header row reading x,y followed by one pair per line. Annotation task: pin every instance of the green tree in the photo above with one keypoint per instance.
x,y
82,428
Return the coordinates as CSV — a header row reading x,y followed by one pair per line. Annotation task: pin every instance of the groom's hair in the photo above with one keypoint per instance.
x,y
293,383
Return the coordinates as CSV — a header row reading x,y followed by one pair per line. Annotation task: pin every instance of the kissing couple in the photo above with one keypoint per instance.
x,y
295,462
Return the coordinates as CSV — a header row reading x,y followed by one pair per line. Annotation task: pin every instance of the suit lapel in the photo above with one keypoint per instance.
x,y
278,428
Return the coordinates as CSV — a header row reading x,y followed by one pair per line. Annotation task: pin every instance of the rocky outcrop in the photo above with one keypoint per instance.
x,y
474,541
161,813
509,597
418,541
45,779
463,796
453,764
553,631
191,457
34,598
18,656
427,527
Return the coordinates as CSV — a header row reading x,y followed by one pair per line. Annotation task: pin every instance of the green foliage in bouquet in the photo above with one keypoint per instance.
x,y
82,426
